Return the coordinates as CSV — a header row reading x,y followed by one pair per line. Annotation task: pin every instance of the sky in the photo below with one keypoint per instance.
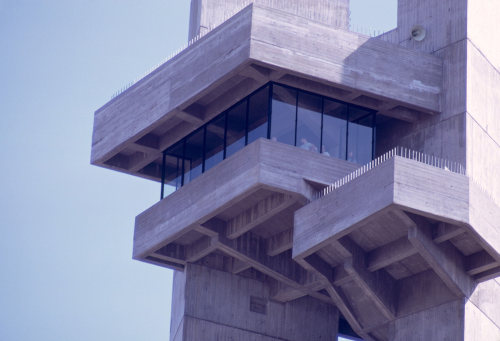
x,y
66,271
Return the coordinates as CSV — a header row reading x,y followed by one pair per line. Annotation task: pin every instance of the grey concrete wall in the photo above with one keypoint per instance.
x,y
217,306
463,34
441,323
483,97
208,13
482,312
443,135
178,306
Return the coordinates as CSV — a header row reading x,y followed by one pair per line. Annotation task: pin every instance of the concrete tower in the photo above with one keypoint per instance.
x,y
322,182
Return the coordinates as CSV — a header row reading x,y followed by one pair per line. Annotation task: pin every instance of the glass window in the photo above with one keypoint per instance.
x,y
257,114
334,129
283,114
299,118
173,167
236,121
360,133
214,142
193,156
309,122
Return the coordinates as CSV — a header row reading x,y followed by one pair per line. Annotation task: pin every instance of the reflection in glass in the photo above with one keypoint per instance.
x,y
173,164
193,156
257,114
236,120
214,142
309,122
283,114
334,129
360,132
306,120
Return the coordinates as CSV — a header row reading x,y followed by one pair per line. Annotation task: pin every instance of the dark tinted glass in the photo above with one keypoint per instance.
x,y
193,156
359,144
236,119
334,129
283,114
257,114
309,122
173,164
214,143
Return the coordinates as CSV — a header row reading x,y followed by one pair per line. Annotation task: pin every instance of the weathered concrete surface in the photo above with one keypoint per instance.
x,y
443,323
217,306
483,124
264,163
257,45
208,13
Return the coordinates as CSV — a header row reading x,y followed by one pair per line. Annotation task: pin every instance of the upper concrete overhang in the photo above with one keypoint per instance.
x,y
253,47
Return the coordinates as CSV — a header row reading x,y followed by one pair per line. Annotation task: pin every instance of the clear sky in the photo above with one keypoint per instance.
x,y
66,227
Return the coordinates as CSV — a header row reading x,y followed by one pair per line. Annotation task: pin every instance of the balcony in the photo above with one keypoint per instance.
x,y
241,55
280,113
238,216
404,225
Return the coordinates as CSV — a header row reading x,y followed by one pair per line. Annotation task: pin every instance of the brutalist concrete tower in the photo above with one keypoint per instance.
x,y
316,182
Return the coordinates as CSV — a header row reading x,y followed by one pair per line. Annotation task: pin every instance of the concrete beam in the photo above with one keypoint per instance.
x,y
201,248
388,254
321,268
479,262
378,286
280,242
444,259
445,231
257,214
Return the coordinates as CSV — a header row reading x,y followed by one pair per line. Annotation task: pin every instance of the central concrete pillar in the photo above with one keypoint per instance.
x,y
468,319
210,304
209,13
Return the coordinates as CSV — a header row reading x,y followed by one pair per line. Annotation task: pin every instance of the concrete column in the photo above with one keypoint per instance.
x,y
209,13
473,319
209,304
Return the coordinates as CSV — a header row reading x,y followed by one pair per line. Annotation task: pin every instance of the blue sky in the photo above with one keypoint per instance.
x,y
66,271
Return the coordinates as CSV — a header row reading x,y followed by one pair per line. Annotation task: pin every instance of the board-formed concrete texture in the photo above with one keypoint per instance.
x,y
280,243
242,54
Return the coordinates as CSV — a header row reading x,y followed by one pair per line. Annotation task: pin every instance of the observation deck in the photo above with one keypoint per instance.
x,y
241,55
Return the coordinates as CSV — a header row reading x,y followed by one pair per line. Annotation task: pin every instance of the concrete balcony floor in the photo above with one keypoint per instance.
x,y
406,235
238,216
395,232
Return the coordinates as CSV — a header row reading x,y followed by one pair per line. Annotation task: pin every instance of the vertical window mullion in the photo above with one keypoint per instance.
x,y
269,110
225,135
321,132
296,115
247,119
347,134
163,170
203,153
374,132
183,160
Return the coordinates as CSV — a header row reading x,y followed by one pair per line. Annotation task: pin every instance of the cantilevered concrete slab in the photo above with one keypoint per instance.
x,y
401,237
257,45
249,197
238,217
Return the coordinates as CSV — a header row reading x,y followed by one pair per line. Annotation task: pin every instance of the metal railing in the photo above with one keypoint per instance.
x,y
404,152
185,46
